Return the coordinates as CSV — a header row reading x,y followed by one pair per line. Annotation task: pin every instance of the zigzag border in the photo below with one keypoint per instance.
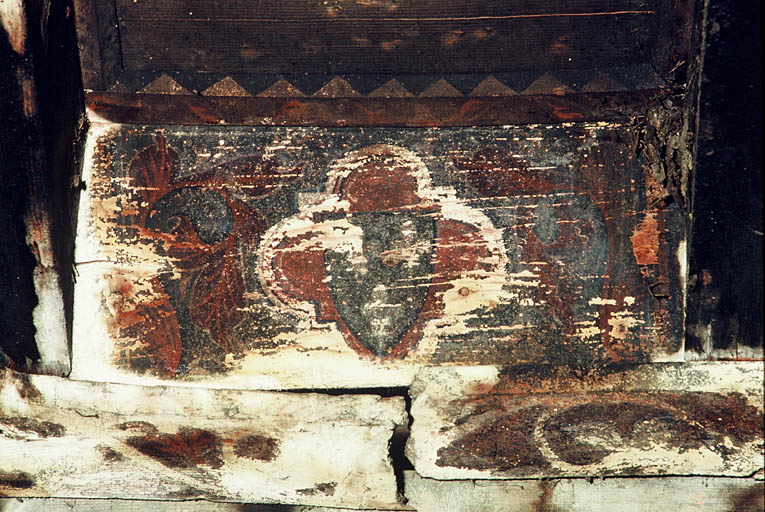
x,y
388,86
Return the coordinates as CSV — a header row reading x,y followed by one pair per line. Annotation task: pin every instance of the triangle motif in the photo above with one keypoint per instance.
x,y
164,84
492,87
546,84
337,88
391,89
281,89
440,89
225,87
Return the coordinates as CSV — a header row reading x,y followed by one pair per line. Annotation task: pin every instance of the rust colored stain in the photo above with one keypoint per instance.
x,y
560,45
503,444
26,389
505,439
645,240
138,426
30,425
190,447
543,504
619,423
565,113
109,454
451,38
749,500
257,447
16,480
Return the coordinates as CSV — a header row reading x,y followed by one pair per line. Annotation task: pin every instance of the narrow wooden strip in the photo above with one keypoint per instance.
x,y
62,438
491,423
575,495
121,505
282,111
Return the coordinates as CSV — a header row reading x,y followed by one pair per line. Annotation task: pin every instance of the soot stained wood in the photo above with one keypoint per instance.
x,y
386,49
17,293
36,42
725,286
385,37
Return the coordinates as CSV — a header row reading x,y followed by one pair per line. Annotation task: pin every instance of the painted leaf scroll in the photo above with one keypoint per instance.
x,y
299,257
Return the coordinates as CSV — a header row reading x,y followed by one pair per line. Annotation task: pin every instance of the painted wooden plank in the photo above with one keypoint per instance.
x,y
688,494
583,61
236,256
485,422
63,438
291,109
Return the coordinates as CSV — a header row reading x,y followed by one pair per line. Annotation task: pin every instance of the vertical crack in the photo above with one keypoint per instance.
x,y
400,435
397,447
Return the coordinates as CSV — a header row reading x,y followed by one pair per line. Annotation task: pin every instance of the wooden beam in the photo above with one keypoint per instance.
x,y
62,438
695,419
296,111
681,494
205,254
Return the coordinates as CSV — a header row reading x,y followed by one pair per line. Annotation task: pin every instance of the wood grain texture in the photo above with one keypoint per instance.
x,y
230,255
688,494
61,438
725,285
30,292
677,419
383,37
99,43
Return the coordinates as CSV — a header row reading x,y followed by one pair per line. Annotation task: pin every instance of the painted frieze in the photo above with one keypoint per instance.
x,y
313,257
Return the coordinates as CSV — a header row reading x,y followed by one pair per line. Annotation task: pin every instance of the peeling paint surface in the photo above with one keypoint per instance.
x,y
228,255
636,420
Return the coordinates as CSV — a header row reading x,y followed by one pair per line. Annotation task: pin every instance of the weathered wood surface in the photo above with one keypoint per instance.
x,y
234,256
63,438
117,505
671,419
680,494
32,315
725,268
373,55
292,109
432,84
381,37
580,495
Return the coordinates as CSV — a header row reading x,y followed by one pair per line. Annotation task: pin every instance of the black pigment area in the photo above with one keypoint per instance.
x,y
17,294
725,288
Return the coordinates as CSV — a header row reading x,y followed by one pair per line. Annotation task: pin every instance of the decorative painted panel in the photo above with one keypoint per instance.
x,y
299,257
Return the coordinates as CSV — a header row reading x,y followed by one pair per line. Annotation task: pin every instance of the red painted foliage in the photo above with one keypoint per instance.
x,y
216,298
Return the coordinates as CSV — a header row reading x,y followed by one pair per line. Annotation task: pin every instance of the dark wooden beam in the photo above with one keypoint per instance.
x,y
193,109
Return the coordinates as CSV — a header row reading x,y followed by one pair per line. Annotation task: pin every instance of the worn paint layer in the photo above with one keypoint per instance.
x,y
226,253
482,422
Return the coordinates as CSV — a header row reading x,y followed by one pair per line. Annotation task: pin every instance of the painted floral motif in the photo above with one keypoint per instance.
x,y
377,252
